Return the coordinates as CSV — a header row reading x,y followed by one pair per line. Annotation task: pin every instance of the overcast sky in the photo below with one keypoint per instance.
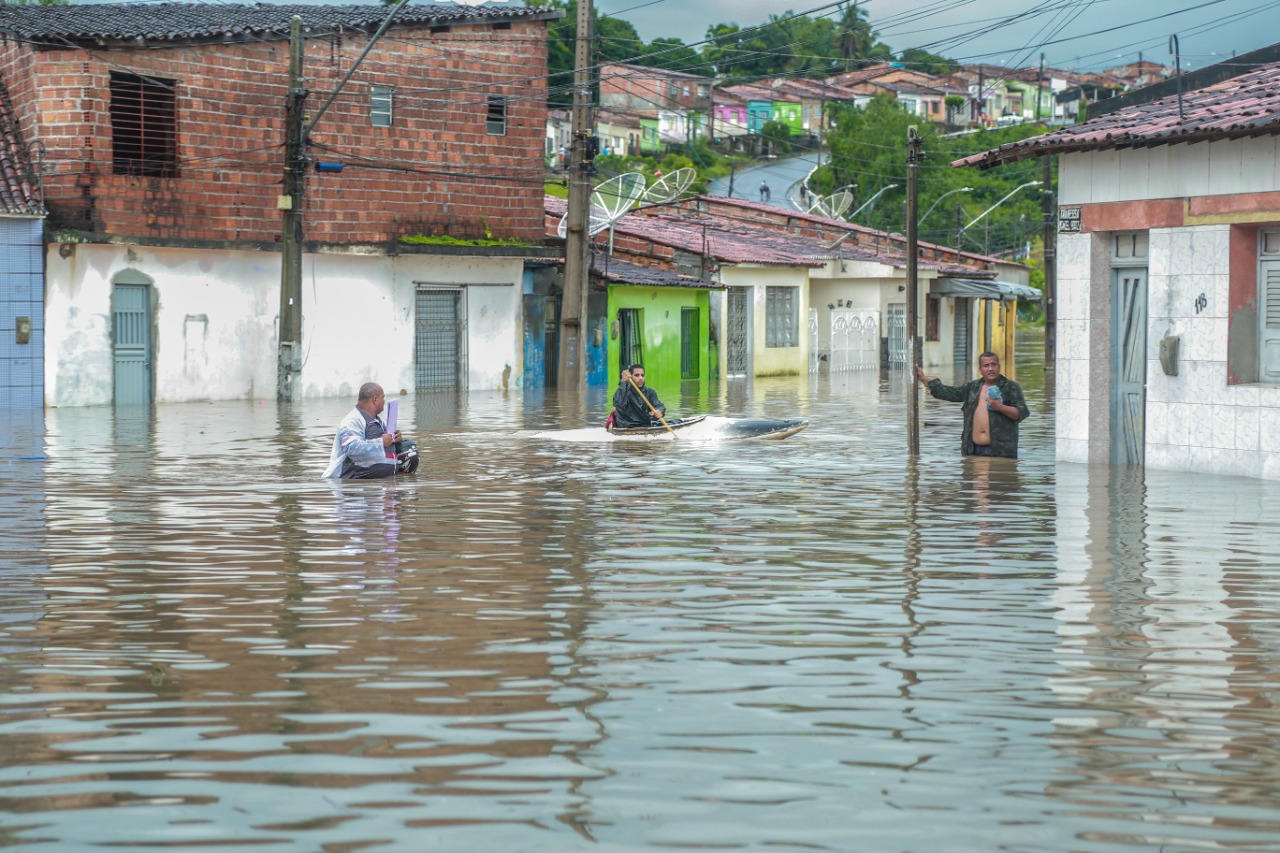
x,y
1073,34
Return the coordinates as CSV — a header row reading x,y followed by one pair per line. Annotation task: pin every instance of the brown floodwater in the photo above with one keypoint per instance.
x,y
558,642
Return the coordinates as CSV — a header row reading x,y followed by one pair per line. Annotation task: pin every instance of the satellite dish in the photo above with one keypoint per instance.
x,y
670,186
617,195
832,206
596,222
609,202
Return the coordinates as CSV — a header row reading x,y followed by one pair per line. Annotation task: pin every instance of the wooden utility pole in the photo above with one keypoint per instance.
x,y
1050,265
914,157
289,363
577,244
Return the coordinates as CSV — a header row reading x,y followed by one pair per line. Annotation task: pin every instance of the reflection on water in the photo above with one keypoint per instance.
x,y
534,645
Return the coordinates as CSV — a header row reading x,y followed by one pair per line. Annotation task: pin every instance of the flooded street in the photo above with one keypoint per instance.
x,y
549,645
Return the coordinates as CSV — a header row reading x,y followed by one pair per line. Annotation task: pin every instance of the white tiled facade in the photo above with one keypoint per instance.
x,y
1195,421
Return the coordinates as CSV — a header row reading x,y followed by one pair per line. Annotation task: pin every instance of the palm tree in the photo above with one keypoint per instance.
x,y
854,37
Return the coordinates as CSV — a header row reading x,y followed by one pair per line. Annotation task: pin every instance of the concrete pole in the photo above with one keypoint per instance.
x,y
913,240
289,363
577,246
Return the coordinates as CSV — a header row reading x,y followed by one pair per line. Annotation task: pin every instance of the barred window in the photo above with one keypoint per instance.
x,y
380,105
495,120
782,317
144,126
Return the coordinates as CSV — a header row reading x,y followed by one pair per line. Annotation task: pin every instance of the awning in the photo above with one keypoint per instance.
x,y
1005,291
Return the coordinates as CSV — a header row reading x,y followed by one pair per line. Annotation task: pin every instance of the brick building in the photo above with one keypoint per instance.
x,y
161,128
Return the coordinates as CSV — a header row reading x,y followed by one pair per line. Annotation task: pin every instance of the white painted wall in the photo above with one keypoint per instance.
x,y
215,320
1170,171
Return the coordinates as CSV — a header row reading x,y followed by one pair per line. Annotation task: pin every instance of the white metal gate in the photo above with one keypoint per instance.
x,y
855,339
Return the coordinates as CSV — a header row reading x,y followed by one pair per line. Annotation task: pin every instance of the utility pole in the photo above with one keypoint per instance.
x,y
1050,266
914,156
577,245
289,363
1039,88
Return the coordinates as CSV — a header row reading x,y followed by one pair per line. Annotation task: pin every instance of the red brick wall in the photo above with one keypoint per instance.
x,y
435,171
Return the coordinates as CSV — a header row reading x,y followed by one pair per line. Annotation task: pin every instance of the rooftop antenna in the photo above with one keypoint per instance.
x,y
1177,69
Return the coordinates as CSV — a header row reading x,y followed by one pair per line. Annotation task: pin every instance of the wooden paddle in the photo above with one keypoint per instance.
x,y
651,408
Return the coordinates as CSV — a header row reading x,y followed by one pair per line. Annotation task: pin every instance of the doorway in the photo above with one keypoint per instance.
x,y
131,343
1128,349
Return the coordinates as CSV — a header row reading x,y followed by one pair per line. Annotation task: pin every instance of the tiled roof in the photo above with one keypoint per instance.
x,y
106,23
649,71
1247,105
19,190
624,272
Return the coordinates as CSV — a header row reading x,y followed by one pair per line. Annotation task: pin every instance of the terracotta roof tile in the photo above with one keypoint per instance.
x,y
19,189
197,22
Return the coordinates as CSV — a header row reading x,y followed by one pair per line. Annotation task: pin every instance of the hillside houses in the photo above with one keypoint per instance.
x,y
674,108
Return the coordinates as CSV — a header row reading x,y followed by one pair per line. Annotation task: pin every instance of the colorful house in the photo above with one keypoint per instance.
x,y
659,318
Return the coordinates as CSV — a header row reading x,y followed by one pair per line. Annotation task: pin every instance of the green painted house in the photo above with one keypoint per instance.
x,y
789,113
661,319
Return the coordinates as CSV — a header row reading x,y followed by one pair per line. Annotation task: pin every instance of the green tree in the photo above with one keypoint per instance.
x,y
929,63
867,147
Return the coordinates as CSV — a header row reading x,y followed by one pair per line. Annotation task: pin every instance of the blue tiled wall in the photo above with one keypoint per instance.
x,y
21,295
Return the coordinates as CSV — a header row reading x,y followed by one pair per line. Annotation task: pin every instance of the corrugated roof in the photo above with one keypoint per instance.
x,y
107,23
624,272
1247,105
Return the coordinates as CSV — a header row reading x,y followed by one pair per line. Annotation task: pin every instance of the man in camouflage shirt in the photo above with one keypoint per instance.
x,y
992,408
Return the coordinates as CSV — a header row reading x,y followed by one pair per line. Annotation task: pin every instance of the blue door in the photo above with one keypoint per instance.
x,y
131,334
1128,365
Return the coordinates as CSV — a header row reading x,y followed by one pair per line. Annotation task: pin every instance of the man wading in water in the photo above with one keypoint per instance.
x,y
992,407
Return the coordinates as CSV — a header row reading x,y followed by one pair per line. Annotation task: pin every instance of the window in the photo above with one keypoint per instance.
x,y
931,310
144,126
781,317
380,102
690,325
704,90
686,91
495,120
1269,307
630,349
673,91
